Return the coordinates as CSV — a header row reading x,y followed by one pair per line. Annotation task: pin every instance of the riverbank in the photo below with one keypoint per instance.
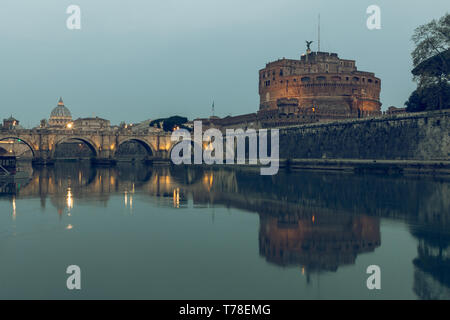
x,y
428,167
390,167
352,166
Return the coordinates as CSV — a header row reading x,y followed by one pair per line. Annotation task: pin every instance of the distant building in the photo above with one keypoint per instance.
x,y
60,116
242,121
44,123
10,123
394,110
90,124
287,113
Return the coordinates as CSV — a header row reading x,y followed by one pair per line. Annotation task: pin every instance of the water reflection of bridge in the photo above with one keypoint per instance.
x,y
314,221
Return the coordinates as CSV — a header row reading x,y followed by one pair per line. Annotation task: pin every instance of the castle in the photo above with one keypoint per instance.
x,y
332,86
319,86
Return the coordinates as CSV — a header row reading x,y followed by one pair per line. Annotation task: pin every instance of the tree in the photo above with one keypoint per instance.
x,y
169,124
431,59
427,98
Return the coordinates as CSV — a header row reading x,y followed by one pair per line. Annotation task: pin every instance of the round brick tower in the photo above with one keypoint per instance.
x,y
333,87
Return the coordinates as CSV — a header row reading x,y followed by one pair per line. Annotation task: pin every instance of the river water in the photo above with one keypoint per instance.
x,y
140,232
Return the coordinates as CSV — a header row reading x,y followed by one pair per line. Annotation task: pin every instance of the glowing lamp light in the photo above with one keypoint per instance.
x,y
69,125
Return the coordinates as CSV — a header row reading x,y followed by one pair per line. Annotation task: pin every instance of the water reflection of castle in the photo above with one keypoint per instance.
x,y
321,242
300,225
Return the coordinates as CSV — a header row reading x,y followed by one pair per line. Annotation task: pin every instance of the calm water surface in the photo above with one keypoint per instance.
x,y
161,233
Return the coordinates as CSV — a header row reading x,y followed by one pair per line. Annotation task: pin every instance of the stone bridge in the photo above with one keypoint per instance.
x,y
103,144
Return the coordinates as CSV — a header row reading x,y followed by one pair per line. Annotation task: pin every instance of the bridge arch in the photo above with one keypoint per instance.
x,y
147,146
91,144
19,139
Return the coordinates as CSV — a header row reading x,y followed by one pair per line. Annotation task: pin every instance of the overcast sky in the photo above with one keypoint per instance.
x,y
139,59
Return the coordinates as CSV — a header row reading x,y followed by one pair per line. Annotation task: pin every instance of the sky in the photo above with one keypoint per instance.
x,y
145,59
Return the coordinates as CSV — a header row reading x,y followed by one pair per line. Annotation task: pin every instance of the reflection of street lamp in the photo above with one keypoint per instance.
x,y
314,111
69,199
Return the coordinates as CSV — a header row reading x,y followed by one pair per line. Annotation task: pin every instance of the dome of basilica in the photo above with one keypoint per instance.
x,y
61,111
60,115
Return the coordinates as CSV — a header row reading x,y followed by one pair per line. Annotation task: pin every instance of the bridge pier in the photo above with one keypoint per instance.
x,y
42,158
104,158
160,157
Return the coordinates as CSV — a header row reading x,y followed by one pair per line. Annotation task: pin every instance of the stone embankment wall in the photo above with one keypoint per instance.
x,y
421,136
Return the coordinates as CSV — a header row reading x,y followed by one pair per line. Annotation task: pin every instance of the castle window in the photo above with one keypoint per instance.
x,y
346,78
355,79
306,79
281,72
369,80
321,78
